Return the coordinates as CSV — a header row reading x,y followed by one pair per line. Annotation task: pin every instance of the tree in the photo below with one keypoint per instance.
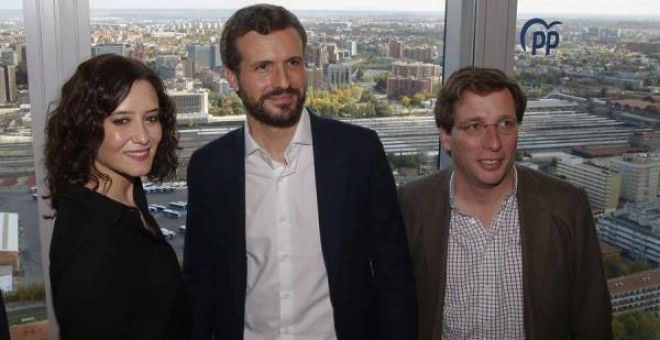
x,y
367,96
381,85
26,292
636,325
418,98
613,265
405,101
619,330
359,75
382,109
637,266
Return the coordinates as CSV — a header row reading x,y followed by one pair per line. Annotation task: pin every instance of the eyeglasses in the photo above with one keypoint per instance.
x,y
477,129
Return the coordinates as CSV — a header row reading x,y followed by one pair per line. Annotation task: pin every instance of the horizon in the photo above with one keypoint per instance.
x,y
565,8
645,16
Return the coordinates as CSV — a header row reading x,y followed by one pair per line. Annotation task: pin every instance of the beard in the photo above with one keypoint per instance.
x,y
288,117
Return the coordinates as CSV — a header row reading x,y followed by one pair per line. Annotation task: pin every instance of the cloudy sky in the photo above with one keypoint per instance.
x,y
601,7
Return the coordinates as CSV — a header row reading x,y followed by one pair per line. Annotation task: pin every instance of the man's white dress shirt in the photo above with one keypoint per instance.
x,y
287,293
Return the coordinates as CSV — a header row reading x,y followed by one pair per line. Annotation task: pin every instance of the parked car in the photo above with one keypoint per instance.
x,y
168,233
182,228
171,213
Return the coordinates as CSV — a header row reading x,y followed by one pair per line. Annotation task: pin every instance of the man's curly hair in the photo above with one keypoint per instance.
x,y
74,130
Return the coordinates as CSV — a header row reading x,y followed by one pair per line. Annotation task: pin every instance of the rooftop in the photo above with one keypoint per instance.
x,y
640,280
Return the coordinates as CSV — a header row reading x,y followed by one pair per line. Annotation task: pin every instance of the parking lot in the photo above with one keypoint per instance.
x,y
169,223
21,202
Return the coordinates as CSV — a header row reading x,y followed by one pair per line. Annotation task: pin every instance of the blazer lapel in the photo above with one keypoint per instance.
x,y
436,241
535,226
331,175
234,212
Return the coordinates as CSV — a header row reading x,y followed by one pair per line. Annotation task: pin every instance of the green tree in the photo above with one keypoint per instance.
x,y
381,85
367,96
614,267
638,265
619,330
33,291
637,325
419,97
359,75
382,109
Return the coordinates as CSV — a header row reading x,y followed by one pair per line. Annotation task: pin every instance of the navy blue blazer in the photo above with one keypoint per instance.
x,y
363,238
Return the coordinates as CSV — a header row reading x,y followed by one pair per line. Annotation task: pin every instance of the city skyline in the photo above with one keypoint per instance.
x,y
647,8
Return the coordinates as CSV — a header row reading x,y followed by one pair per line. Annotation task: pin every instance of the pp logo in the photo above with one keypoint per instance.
x,y
540,39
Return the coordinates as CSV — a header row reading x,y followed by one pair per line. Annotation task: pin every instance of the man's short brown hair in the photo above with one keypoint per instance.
x,y
477,80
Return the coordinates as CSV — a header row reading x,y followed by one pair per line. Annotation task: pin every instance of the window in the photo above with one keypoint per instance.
x,y
364,52
590,71
21,258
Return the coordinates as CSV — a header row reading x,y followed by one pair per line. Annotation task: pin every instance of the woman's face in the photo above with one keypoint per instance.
x,y
131,135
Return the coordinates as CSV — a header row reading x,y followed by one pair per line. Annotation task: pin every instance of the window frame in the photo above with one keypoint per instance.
x,y
56,39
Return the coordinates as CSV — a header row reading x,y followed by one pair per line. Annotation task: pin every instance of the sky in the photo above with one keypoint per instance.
x,y
599,7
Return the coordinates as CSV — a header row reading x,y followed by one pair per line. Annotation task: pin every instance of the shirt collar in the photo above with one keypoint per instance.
x,y
302,136
506,198
103,207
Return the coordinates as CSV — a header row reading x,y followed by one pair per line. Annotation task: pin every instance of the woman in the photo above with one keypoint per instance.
x,y
112,273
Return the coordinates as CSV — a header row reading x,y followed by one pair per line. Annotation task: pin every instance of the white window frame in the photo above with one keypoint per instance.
x,y
57,40
480,33
477,33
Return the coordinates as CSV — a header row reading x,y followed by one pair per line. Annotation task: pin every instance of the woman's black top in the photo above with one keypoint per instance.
x,y
111,277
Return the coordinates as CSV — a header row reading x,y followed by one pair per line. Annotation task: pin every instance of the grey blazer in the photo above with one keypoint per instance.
x,y
565,291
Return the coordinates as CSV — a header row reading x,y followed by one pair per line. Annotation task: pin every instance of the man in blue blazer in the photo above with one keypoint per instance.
x,y
293,227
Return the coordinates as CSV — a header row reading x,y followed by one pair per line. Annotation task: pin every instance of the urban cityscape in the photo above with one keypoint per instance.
x,y
593,119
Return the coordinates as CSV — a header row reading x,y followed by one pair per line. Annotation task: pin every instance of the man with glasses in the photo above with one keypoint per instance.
x,y
500,251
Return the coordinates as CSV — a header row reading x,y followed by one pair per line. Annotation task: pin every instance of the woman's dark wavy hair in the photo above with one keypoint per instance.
x,y
261,18
481,81
74,130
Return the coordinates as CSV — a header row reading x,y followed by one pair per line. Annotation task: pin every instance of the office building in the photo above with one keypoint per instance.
x,y
640,176
100,49
339,75
191,104
9,245
417,69
3,86
351,46
8,57
398,87
8,88
170,60
602,185
409,79
205,56
639,291
395,49
419,53
635,229
314,77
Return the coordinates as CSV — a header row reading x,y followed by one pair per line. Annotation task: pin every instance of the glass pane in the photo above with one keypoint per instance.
x,y
378,69
591,72
21,275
